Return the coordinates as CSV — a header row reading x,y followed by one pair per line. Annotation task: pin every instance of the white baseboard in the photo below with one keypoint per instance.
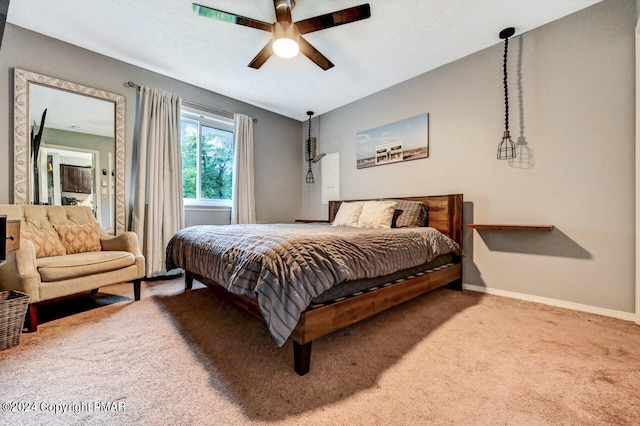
x,y
627,316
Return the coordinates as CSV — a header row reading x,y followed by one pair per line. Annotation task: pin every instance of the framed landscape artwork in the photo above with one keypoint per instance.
x,y
403,140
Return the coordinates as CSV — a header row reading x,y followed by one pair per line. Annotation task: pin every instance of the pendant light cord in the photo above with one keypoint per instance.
x,y
504,82
309,143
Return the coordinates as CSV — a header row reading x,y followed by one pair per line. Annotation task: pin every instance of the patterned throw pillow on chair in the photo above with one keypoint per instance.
x,y
80,238
46,242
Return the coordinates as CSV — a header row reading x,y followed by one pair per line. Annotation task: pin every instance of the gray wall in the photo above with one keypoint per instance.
x,y
277,146
572,102
203,215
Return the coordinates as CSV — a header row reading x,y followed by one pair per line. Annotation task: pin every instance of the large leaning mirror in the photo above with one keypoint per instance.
x,y
69,146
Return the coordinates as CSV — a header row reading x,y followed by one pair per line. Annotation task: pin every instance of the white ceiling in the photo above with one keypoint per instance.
x,y
71,112
402,39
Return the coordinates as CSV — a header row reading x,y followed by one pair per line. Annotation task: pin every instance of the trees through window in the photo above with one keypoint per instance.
x,y
207,158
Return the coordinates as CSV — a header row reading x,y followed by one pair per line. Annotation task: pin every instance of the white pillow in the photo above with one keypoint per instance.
x,y
377,214
348,214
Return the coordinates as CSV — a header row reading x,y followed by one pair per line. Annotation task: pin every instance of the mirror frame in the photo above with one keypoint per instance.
x,y
21,132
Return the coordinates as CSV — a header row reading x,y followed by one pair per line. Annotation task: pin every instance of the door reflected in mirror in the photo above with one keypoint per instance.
x,y
69,146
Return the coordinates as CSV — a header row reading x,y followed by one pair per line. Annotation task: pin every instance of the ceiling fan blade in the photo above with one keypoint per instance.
x,y
262,56
334,19
283,10
232,18
312,53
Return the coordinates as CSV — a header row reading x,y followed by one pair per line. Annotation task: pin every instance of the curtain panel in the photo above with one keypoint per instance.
x,y
243,209
158,211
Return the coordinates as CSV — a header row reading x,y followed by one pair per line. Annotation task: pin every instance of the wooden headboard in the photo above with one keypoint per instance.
x,y
445,212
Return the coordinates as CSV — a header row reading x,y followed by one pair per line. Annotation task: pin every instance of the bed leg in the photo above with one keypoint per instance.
x,y
301,357
455,285
188,281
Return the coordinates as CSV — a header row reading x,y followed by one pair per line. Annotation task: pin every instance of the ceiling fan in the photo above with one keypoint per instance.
x,y
287,38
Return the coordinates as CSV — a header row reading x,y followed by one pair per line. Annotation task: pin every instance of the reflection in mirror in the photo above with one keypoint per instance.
x,y
69,146
76,144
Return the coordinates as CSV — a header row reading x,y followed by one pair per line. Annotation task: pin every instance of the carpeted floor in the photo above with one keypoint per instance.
x,y
179,358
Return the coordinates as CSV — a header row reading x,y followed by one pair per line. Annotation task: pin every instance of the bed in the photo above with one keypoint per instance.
x,y
309,280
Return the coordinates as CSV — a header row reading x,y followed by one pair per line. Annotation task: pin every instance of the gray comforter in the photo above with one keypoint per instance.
x,y
284,266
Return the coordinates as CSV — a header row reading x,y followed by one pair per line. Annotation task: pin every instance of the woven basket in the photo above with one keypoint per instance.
x,y
13,309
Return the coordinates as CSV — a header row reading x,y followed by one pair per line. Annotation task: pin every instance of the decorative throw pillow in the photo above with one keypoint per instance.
x,y
348,214
46,242
377,214
410,214
80,238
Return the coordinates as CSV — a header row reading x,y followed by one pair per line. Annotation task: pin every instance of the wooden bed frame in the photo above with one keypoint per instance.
x,y
445,214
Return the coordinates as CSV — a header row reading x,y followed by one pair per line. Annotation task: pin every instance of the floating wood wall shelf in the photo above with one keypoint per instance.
x,y
488,227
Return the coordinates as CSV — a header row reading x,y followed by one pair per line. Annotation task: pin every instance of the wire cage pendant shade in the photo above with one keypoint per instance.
x,y
309,177
506,147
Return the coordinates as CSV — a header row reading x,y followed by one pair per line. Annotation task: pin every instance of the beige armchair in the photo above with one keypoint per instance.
x,y
62,252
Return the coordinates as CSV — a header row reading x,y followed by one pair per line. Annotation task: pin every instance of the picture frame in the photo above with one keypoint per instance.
x,y
403,140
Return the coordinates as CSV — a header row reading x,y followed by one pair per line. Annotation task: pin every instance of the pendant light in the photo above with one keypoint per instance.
x,y
506,148
309,176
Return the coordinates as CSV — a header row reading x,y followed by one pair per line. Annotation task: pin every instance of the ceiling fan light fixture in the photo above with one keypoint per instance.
x,y
285,40
286,47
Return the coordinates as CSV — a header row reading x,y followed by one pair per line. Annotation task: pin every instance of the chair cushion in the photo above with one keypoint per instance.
x,y
60,268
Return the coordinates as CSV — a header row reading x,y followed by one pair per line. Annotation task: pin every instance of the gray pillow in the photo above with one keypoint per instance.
x,y
410,214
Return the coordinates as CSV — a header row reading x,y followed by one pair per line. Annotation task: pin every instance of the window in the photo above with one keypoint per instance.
x,y
207,157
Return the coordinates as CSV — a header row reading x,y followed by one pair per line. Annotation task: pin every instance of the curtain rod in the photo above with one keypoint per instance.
x,y
193,104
